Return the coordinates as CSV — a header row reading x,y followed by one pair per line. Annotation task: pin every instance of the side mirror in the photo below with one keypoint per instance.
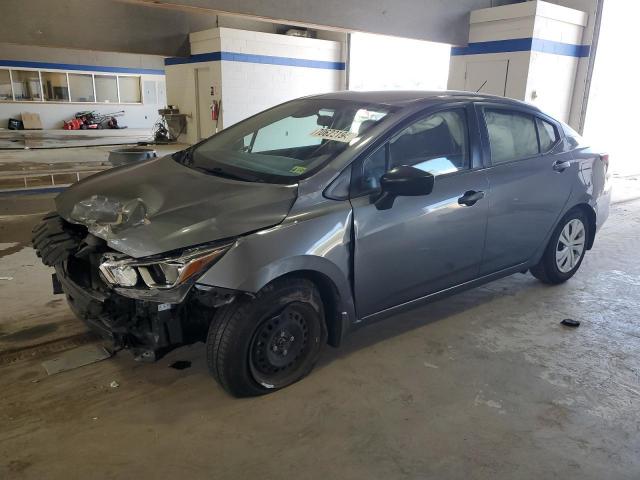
x,y
403,181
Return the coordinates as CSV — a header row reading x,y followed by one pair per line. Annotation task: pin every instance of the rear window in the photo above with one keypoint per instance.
x,y
512,135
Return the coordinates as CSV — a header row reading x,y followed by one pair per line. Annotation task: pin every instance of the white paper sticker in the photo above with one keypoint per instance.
x,y
331,134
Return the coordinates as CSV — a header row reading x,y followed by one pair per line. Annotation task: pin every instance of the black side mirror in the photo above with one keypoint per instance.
x,y
403,181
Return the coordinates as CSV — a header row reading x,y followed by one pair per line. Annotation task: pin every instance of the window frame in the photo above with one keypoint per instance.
x,y
92,73
66,76
11,93
95,85
13,90
140,89
523,110
473,145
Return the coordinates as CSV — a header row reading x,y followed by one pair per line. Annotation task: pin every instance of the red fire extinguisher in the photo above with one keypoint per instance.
x,y
215,110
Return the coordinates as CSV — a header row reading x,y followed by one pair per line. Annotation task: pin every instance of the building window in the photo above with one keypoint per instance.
x,y
130,90
34,85
106,88
5,85
26,85
55,87
81,86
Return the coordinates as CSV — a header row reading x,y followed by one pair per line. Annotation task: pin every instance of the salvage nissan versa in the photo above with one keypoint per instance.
x,y
287,230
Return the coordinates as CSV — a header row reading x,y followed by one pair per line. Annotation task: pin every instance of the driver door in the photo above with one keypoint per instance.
x,y
427,243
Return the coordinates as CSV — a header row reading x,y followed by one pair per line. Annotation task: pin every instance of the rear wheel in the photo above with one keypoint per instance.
x,y
565,251
259,345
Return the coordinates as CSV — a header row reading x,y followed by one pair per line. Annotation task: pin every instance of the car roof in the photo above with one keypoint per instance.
x,y
426,97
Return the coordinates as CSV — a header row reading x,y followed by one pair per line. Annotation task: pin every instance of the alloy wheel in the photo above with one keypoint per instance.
x,y
570,245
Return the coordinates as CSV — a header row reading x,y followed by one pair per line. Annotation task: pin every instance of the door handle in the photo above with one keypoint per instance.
x,y
561,166
471,197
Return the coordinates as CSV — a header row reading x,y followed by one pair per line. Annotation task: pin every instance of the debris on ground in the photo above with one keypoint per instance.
x,y
78,357
6,278
180,364
570,322
114,384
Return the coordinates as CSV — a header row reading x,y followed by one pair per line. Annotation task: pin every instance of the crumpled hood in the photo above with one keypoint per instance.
x,y
168,206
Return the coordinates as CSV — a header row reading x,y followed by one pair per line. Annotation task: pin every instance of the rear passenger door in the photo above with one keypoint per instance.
x,y
530,182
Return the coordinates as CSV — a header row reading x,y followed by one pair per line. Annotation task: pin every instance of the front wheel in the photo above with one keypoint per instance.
x,y
565,251
259,345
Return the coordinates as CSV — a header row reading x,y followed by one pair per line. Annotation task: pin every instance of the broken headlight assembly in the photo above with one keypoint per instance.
x,y
160,272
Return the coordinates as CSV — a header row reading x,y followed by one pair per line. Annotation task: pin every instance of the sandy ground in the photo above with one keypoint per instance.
x,y
483,385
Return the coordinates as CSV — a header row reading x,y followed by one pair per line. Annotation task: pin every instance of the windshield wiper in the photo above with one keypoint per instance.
x,y
219,172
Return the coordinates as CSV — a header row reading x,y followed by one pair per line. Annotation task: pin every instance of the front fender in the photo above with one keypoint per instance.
x,y
317,241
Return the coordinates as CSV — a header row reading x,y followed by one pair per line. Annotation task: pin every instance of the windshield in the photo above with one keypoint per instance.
x,y
285,143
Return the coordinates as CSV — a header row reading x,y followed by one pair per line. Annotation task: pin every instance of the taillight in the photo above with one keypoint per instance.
x,y
604,157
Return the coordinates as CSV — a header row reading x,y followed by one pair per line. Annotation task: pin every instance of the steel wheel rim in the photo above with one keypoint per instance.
x,y
570,246
275,357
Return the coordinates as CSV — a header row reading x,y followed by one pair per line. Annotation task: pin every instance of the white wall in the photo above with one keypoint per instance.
x,y
52,114
379,62
580,89
611,120
181,93
545,79
248,88
244,85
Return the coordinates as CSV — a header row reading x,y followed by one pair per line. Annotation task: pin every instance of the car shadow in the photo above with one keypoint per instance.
x,y
426,314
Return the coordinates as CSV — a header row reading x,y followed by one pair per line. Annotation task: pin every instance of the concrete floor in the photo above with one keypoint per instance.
x,y
483,385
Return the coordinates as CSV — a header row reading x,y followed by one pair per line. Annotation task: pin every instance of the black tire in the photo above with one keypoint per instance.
x,y
547,270
242,337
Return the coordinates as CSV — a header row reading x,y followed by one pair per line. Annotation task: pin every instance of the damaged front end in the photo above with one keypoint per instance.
x,y
149,305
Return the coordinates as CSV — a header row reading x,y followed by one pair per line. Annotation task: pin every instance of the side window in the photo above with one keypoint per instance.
x,y
547,133
436,144
512,135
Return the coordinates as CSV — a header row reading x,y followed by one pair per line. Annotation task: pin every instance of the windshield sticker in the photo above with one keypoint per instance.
x,y
298,170
337,135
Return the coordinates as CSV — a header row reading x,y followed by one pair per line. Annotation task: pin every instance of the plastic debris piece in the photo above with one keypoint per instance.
x,y
114,384
570,322
180,364
78,357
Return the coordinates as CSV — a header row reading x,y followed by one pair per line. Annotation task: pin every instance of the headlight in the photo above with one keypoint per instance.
x,y
160,272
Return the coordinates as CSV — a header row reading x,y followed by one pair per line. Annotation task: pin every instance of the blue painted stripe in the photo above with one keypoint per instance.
x,y
250,58
31,191
200,57
76,67
559,48
523,45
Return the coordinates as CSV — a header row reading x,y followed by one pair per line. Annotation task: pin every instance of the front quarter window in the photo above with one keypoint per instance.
x,y
287,142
